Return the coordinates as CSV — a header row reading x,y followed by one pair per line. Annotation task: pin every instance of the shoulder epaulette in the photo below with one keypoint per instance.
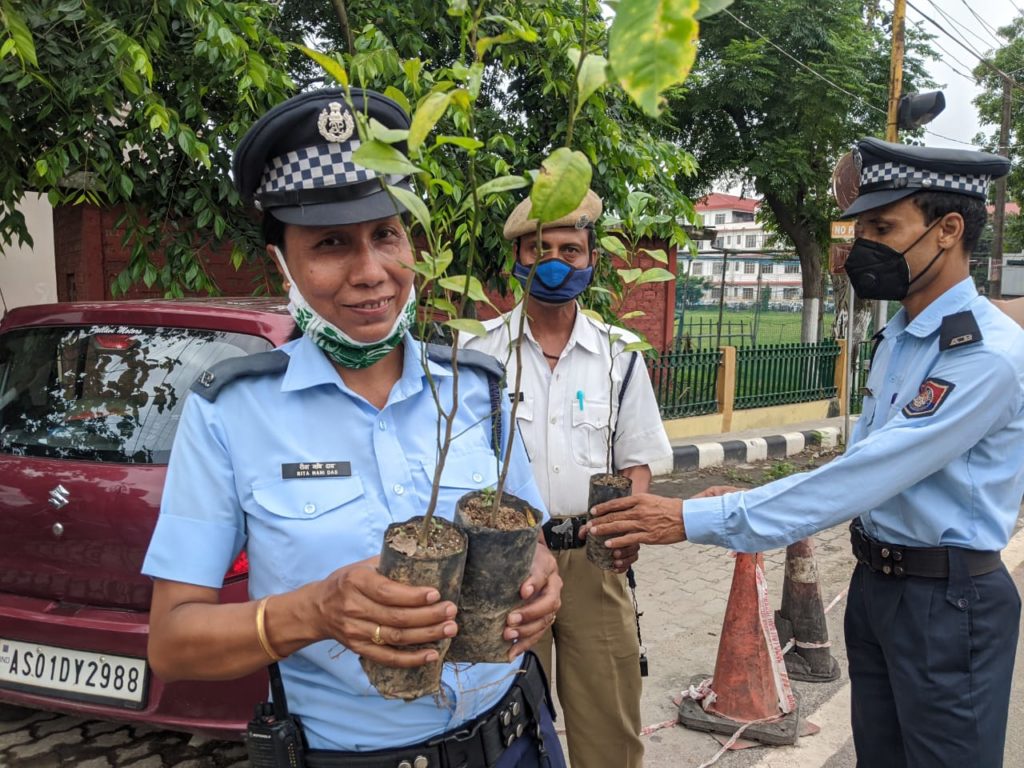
x,y
959,330
471,358
212,380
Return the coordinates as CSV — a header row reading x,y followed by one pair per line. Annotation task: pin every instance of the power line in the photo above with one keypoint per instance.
x,y
953,21
797,61
945,50
962,41
985,24
961,44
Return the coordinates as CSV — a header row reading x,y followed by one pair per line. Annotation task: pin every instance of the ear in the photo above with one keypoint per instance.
x,y
272,254
951,230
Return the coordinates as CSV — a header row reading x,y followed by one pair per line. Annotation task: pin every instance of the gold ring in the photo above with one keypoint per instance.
x,y
376,636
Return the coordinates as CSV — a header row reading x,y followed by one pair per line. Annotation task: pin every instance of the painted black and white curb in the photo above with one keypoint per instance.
x,y
714,454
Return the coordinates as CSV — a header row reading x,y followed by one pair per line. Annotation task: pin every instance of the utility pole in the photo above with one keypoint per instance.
x,y
995,284
880,310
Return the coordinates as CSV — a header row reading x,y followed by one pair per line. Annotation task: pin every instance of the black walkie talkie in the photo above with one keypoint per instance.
x,y
273,738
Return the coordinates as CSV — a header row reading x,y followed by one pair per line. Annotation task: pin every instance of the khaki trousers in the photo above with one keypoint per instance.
x,y
597,671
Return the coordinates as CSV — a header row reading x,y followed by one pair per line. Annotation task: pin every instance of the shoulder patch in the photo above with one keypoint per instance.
x,y
212,380
928,399
471,358
959,330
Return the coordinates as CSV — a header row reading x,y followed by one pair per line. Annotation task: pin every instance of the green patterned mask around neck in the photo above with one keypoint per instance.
x,y
335,343
341,348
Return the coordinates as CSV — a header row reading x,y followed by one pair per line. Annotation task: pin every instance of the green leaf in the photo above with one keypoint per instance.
x,y
412,69
710,8
457,283
331,66
499,185
429,111
442,305
652,45
381,132
655,275
614,246
414,204
592,76
637,346
593,315
19,32
127,187
42,167
465,142
630,276
435,265
560,186
383,158
397,96
633,315
466,325
657,254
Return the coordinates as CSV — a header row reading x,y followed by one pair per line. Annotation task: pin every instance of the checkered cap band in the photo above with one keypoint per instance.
x,y
897,175
322,165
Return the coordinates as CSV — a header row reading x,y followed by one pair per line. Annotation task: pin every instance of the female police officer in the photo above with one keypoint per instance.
x,y
350,396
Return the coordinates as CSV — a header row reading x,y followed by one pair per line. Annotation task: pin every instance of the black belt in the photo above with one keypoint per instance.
x,y
929,562
564,532
479,742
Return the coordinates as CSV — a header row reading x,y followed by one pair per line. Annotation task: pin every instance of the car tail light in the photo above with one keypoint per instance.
x,y
239,568
115,342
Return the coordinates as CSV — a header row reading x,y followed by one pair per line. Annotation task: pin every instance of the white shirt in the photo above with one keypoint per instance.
x,y
564,413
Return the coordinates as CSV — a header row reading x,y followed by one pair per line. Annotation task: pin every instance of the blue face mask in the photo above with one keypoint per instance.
x,y
554,281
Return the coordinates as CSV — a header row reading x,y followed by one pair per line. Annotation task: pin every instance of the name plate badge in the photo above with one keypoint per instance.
x,y
316,469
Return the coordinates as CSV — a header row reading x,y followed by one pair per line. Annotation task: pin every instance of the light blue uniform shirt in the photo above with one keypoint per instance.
x,y
225,491
951,475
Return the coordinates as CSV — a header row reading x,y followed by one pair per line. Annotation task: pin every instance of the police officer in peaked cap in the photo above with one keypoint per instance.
x,y
302,457
932,478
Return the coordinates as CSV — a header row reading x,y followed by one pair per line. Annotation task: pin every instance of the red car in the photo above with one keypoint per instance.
x,y
90,397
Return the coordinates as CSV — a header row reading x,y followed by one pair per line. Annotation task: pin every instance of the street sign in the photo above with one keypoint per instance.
x,y
843,230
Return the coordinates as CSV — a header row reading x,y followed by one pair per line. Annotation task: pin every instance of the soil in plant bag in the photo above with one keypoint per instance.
x,y
439,562
604,487
500,555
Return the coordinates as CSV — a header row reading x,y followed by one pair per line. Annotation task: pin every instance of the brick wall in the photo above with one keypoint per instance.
x,y
88,256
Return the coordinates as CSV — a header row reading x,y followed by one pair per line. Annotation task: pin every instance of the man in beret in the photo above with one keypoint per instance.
x,y
932,477
580,390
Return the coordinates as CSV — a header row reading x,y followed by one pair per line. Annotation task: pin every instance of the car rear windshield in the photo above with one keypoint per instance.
x,y
103,393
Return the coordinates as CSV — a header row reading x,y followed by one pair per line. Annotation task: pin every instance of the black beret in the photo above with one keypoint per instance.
x,y
296,163
890,172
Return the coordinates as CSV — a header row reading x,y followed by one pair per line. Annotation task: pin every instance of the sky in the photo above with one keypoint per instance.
x,y
959,122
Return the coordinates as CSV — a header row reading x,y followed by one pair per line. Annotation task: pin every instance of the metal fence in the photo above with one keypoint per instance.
x,y
778,374
685,383
704,333
860,363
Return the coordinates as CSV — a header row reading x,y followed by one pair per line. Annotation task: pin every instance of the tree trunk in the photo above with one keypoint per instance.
x,y
810,254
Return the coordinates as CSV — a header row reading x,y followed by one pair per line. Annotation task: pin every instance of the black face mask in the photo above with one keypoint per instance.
x,y
879,272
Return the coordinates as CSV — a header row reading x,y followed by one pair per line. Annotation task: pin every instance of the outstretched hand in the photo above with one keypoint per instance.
x,y
641,519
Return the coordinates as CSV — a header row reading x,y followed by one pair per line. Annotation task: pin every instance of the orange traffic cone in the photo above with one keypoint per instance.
x,y
750,686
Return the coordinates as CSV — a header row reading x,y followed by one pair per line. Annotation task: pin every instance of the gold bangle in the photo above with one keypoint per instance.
x,y
261,629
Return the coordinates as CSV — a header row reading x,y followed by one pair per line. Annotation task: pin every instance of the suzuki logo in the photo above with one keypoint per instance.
x,y
59,496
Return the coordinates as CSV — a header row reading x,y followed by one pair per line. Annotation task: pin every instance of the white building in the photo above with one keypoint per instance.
x,y
27,274
735,261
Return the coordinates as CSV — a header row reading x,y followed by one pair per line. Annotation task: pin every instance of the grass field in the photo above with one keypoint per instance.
x,y
739,327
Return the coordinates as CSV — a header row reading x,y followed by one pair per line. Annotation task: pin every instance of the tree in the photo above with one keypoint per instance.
x,y
752,114
1008,59
525,88
115,103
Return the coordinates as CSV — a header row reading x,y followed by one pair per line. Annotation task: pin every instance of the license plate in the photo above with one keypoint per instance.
x,y
70,674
